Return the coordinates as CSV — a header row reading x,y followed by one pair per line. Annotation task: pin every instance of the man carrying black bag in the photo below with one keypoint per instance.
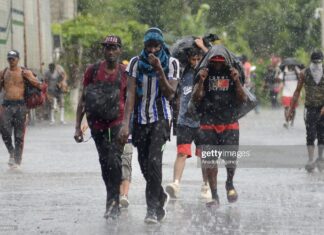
x,y
103,100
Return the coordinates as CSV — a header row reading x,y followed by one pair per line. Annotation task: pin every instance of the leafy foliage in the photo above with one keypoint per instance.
x,y
257,28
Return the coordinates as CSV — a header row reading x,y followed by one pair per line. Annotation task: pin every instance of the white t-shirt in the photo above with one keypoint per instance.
x,y
290,80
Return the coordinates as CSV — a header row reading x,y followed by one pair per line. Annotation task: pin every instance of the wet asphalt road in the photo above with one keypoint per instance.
x,y
59,188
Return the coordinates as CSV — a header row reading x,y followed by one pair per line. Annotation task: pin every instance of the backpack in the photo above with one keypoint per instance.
x,y
33,96
102,97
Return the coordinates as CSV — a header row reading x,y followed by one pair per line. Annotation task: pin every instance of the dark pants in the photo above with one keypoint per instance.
x,y
273,97
221,140
314,125
13,120
227,140
110,152
150,141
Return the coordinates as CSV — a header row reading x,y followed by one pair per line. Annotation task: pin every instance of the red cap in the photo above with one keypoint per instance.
x,y
217,58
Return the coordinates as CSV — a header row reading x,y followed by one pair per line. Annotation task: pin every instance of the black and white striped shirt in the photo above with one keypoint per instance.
x,y
152,106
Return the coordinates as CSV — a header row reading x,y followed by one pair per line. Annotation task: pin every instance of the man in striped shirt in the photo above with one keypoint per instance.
x,y
153,78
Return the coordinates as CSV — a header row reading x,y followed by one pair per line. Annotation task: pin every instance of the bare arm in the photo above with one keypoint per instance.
x,y
296,95
168,88
240,94
27,74
78,136
80,110
198,90
299,87
1,80
200,43
62,73
64,76
63,83
130,102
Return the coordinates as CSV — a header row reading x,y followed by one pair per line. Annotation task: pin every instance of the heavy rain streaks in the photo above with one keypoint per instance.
x,y
161,117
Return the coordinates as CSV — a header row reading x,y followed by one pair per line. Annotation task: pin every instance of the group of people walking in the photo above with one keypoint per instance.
x,y
134,105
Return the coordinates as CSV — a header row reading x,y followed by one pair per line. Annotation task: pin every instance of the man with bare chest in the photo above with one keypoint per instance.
x,y
13,109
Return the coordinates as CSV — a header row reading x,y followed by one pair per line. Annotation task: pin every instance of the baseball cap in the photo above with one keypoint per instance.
x,y
112,40
217,58
13,54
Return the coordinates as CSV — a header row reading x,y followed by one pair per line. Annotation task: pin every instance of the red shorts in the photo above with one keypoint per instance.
x,y
185,137
285,100
221,127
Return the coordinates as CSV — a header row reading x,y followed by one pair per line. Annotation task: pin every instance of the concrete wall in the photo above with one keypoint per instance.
x,y
62,10
25,25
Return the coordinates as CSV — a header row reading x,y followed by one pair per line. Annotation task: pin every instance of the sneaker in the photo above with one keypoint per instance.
x,y
213,203
63,122
173,190
15,166
205,192
310,166
112,211
320,164
161,212
150,217
123,201
285,125
231,193
12,161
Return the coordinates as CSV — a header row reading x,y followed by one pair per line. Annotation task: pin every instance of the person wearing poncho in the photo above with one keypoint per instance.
x,y
218,92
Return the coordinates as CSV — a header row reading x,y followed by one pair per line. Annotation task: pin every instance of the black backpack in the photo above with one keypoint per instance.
x,y
102,97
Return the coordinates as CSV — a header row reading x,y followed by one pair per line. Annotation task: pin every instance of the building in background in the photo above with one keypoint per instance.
x,y
25,25
61,10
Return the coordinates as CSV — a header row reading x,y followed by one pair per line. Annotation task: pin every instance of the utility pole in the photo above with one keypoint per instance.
x,y
322,23
40,41
25,34
11,26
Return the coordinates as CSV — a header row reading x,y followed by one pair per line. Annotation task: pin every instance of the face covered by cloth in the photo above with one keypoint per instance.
x,y
316,71
154,34
316,66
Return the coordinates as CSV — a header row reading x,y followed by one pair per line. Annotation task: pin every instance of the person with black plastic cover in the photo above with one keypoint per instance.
x,y
218,93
